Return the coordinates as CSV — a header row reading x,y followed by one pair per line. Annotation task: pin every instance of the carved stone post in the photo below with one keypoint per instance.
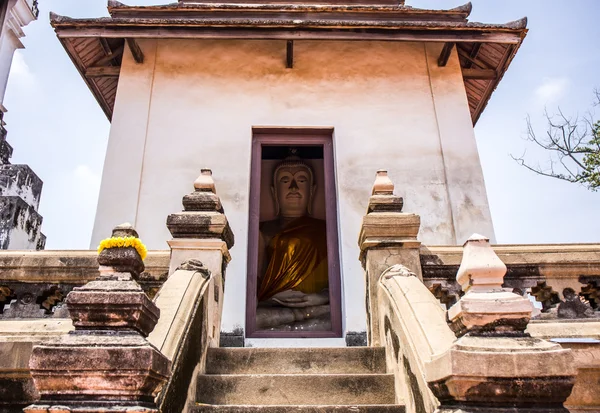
x,y
387,237
494,365
201,232
106,363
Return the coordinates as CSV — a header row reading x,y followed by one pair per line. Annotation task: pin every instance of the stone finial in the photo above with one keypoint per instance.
x,y
203,215
204,197
205,182
486,308
112,317
121,259
115,301
382,196
383,185
124,230
480,269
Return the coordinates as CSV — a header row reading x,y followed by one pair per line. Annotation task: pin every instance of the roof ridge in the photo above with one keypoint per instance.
x,y
465,8
517,24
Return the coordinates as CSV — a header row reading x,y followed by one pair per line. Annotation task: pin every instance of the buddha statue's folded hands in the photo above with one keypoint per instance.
x,y
298,299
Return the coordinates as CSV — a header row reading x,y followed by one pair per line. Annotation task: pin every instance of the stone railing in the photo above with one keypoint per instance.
x,y
189,324
191,300
187,290
546,272
34,284
413,331
471,353
33,289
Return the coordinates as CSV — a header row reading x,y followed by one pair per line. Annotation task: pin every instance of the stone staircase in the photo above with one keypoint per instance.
x,y
274,380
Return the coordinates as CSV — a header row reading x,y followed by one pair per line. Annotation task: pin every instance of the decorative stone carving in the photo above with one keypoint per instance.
x,y
544,294
398,270
48,300
445,296
486,307
106,363
6,295
504,372
591,293
573,307
203,215
196,266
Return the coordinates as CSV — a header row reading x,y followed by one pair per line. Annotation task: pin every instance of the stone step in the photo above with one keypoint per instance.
x,y
365,408
342,360
295,389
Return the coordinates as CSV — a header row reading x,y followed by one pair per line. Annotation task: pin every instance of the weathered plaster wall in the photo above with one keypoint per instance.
x,y
21,181
20,225
192,104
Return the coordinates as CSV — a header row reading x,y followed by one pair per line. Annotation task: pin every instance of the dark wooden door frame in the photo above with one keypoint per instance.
x,y
267,136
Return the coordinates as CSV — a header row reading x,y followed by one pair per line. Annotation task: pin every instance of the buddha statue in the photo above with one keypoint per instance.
x,y
293,268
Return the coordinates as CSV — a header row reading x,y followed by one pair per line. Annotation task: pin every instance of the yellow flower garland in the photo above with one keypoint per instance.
x,y
124,242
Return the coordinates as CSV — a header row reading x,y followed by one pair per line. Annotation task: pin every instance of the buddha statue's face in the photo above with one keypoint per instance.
x,y
293,190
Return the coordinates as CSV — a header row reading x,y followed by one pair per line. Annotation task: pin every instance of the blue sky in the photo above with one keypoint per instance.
x,y
56,126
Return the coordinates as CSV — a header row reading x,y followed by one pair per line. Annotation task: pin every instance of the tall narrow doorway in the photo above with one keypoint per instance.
x,y
293,286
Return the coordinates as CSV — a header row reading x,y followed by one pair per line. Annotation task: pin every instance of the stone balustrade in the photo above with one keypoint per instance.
x,y
545,272
33,288
186,285
34,284
473,353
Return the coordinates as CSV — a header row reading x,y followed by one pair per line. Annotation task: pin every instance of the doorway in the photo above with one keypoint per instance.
x,y
293,285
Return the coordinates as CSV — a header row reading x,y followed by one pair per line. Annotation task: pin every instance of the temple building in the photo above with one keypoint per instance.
x,y
352,88
306,179
20,187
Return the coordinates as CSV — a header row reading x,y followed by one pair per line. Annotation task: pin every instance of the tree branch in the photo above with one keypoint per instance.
x,y
573,146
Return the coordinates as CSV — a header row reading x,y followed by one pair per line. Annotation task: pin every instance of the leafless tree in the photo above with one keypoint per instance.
x,y
573,146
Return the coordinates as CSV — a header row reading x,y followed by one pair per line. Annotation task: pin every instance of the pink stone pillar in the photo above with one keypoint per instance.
x,y
106,363
387,237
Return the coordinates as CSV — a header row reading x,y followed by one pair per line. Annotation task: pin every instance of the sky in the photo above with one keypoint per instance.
x,y
55,125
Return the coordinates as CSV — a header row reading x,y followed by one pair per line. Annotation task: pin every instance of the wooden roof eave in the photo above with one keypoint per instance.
x,y
511,35
295,32
501,70
106,107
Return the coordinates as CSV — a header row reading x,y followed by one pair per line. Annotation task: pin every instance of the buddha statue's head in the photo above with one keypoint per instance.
x,y
293,188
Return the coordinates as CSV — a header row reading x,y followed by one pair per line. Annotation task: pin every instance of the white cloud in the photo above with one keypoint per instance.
x,y
21,76
551,90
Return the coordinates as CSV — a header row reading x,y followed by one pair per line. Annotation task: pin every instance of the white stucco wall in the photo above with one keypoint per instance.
x,y
18,16
192,104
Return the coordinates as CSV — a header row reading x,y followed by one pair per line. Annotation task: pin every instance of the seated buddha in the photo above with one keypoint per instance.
x,y
293,268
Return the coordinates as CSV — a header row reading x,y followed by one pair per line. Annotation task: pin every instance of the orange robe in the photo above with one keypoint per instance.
x,y
298,259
